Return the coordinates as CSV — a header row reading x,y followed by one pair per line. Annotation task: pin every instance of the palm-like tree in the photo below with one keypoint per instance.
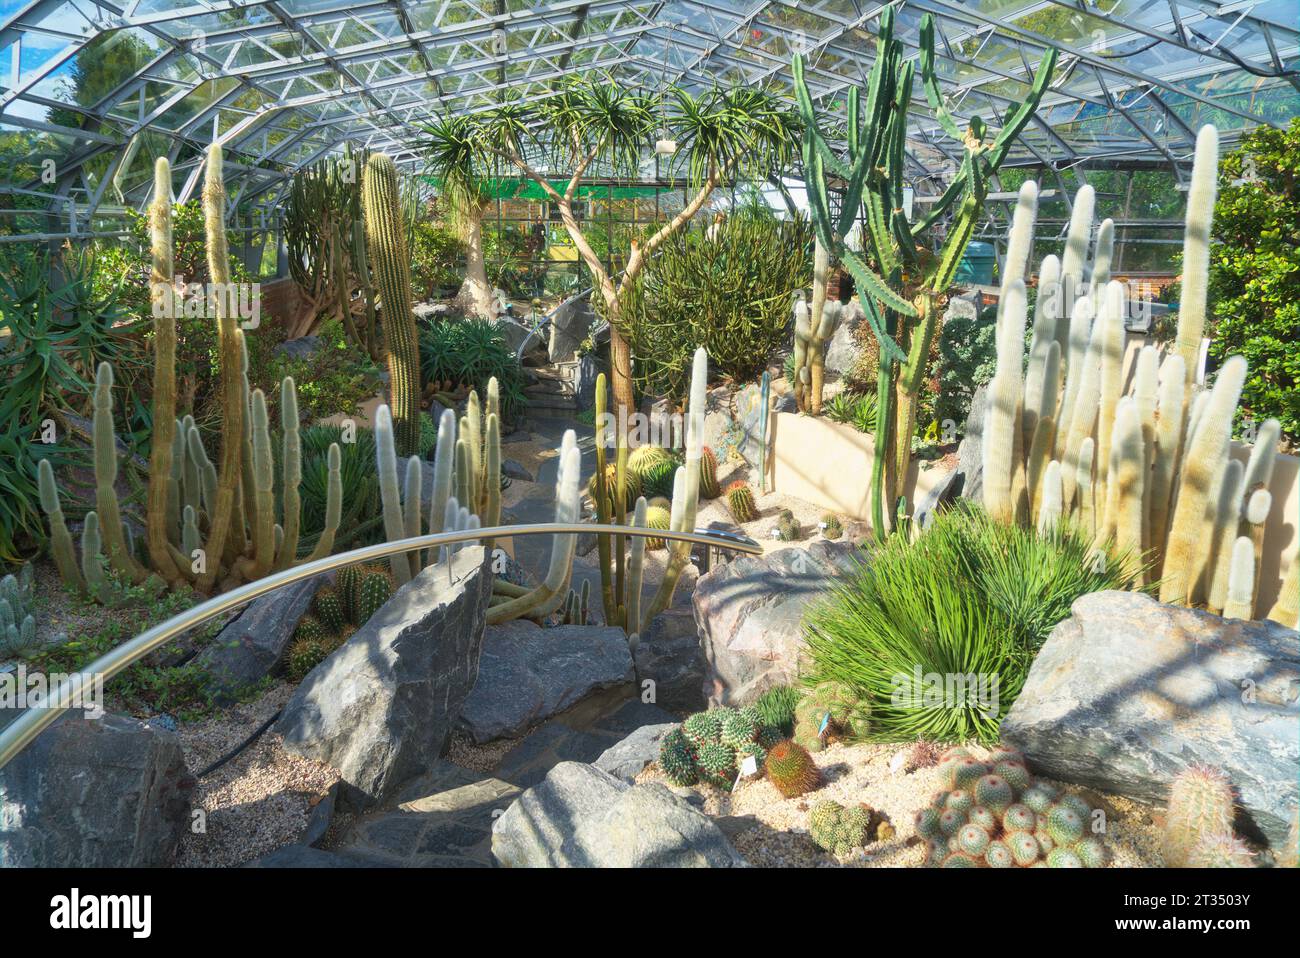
x,y
454,154
721,134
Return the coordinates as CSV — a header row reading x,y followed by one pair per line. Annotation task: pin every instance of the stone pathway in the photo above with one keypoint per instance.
x,y
445,820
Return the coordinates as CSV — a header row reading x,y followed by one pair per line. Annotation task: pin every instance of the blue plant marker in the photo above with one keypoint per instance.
x,y
825,726
762,430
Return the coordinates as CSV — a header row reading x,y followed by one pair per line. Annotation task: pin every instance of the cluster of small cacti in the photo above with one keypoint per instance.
x,y
711,746
791,769
206,524
1147,470
831,526
788,528
740,500
839,830
1197,829
812,328
577,606
994,814
830,710
18,615
338,610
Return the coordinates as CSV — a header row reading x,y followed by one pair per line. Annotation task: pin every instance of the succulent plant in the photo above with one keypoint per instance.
x,y
831,526
347,582
305,653
1022,821
1221,851
791,769
717,764
376,589
657,479
787,527
328,606
740,500
631,486
709,487
838,829
702,728
738,729
1201,804
960,860
641,459
677,758
835,706
657,518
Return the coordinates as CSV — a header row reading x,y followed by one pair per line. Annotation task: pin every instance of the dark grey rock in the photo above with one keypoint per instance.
x,y
581,817
253,646
380,707
842,348
669,655
749,613
515,470
1127,692
943,494
527,674
111,792
303,856
628,758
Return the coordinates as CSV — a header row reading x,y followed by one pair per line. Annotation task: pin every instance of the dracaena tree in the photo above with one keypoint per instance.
x,y
453,155
595,123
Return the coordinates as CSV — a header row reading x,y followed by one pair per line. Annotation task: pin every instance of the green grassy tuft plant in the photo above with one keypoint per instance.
x,y
968,597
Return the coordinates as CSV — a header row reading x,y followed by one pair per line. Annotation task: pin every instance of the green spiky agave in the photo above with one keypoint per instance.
x,y
903,314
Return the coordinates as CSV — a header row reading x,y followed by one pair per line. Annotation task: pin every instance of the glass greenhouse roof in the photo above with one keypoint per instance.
x,y
100,87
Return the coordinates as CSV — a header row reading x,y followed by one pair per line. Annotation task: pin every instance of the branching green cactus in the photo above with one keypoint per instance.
x,y
900,282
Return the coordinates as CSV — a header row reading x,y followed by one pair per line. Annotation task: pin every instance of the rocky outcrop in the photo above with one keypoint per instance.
x,y
749,613
626,760
527,674
253,646
1128,692
111,792
380,707
581,817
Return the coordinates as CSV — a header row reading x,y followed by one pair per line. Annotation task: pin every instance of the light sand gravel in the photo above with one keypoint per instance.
x,y
257,802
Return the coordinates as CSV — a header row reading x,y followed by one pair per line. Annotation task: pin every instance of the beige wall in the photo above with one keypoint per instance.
x,y
829,464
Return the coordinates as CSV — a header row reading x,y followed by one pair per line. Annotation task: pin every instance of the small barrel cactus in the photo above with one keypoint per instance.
x,y
831,526
787,527
791,769
1201,806
657,480
838,829
998,855
657,518
376,589
347,583
1064,825
328,606
703,728
677,759
641,459
304,655
717,764
740,500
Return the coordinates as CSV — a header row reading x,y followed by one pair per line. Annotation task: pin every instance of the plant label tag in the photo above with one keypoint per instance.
x,y
825,726
749,766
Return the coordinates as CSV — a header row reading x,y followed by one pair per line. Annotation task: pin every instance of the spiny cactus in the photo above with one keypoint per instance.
x,y
622,563
655,480
1148,472
305,653
791,769
657,518
788,528
1001,822
709,488
375,589
329,608
18,634
205,524
830,709
831,526
740,500
391,266
677,758
1201,805
838,829
641,459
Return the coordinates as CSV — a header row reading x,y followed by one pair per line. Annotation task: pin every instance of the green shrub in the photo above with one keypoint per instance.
x,y
361,522
967,359
855,409
437,259
469,352
1255,273
731,295
968,597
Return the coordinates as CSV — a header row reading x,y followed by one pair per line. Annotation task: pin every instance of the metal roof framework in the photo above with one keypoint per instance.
x,y
282,83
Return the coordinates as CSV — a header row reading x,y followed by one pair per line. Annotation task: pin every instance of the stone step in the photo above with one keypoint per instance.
x,y
550,387
538,402
563,372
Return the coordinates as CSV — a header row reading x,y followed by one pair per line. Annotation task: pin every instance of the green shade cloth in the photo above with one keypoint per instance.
x,y
520,188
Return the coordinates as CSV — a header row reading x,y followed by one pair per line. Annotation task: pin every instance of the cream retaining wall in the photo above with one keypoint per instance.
x,y
829,464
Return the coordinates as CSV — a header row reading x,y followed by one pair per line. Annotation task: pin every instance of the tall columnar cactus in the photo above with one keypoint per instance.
x,y
1145,469
1200,810
1196,249
204,525
813,327
391,265
901,301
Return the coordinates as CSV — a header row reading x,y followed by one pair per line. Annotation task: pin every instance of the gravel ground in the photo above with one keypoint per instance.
x,y
257,802
861,774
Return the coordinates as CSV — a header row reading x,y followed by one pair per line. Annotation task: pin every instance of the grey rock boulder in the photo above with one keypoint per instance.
x,y
515,470
669,654
527,674
111,792
970,452
582,817
626,760
749,614
381,706
304,347
1127,692
570,324
842,348
253,646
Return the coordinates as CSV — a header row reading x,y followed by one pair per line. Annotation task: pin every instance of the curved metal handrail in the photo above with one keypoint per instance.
x,y
24,729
